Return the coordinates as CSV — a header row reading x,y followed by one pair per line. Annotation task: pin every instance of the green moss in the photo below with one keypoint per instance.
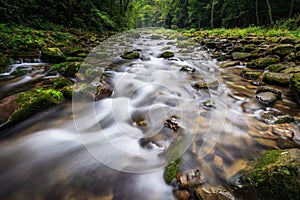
x,y
240,55
172,170
277,78
53,55
252,75
67,91
67,69
283,49
61,82
72,52
262,63
167,54
276,67
295,87
35,101
74,59
276,175
130,55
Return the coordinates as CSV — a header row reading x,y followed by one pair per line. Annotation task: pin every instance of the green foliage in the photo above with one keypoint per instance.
x,y
36,101
172,170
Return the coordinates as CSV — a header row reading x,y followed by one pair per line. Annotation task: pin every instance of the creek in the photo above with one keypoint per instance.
x,y
118,147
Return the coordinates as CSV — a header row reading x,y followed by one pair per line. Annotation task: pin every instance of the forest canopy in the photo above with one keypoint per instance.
x,y
117,15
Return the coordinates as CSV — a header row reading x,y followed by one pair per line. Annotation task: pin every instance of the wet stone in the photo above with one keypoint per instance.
x,y
281,79
182,194
269,89
188,69
275,117
230,64
206,85
190,178
266,98
214,193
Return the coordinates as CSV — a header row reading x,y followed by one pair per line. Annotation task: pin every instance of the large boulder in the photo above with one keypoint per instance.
x,y
68,69
295,87
281,79
275,176
53,55
283,50
264,62
250,74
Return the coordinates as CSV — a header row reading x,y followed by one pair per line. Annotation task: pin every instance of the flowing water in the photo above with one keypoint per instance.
x,y
118,147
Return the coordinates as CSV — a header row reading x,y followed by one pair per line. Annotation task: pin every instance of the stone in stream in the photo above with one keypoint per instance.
x,y
260,52
130,55
187,69
295,87
283,50
262,63
240,55
182,194
206,85
250,74
292,70
279,67
52,55
281,79
273,116
189,179
266,98
73,52
167,54
274,176
214,193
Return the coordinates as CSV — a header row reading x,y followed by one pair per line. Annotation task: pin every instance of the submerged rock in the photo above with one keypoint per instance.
x,y
53,55
214,193
190,178
250,74
295,87
130,55
282,79
275,176
206,85
167,54
273,116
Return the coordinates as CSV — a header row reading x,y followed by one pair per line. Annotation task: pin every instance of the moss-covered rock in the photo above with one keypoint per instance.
x,y
206,85
276,175
167,54
295,87
240,55
273,116
67,69
292,70
262,63
281,79
67,91
250,74
283,50
277,67
73,52
53,55
61,82
172,170
230,64
131,55
3,60
35,101
260,52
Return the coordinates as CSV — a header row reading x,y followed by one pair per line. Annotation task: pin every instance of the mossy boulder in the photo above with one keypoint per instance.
x,y
230,64
61,82
172,170
281,79
292,70
277,67
67,69
53,55
276,175
240,55
250,74
130,55
36,101
295,87
167,54
262,63
260,52
283,50
73,52
67,91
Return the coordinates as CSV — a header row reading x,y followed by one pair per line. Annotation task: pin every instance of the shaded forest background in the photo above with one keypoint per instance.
x,y
117,15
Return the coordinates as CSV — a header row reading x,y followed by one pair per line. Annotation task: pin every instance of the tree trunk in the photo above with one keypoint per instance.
x,y
212,13
292,7
256,12
270,12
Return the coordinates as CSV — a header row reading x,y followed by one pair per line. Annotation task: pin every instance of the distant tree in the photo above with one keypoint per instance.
x,y
270,12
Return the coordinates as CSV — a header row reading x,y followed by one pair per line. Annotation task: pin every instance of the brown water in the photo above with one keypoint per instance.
x,y
117,148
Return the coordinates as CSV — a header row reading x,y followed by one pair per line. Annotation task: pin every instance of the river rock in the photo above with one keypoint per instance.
x,y
269,89
240,55
73,52
277,67
189,179
278,170
206,85
187,69
273,116
182,194
214,193
7,106
286,40
130,55
67,69
295,87
167,54
52,55
230,64
260,52
292,70
250,74
282,79
262,63
266,98
283,50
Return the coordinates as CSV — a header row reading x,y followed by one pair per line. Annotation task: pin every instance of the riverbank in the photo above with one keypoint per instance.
x,y
262,114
